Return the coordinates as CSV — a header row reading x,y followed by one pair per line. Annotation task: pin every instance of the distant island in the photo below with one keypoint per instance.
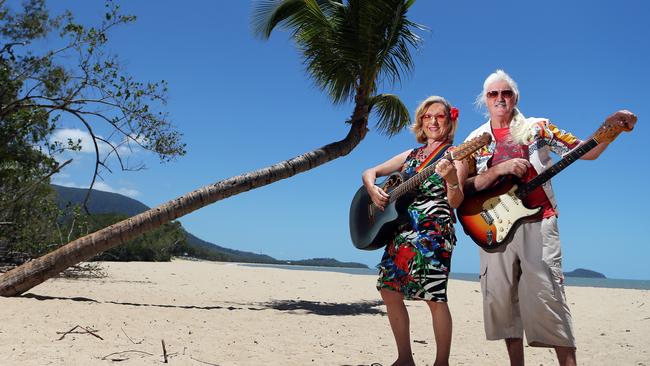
x,y
325,262
585,273
101,202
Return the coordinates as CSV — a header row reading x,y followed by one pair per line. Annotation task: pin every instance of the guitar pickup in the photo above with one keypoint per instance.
x,y
487,217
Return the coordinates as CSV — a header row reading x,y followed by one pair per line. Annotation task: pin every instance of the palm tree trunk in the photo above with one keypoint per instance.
x,y
32,273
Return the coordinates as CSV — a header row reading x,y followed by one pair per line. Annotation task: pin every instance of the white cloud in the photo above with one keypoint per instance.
x,y
103,186
140,139
64,134
74,134
66,183
100,186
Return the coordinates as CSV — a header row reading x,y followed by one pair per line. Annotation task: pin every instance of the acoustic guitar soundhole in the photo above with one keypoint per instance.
x,y
392,182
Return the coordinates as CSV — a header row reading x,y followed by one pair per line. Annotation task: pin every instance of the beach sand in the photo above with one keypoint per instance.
x,y
211,313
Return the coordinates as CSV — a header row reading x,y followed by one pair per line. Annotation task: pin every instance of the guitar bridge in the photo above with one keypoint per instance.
x,y
371,214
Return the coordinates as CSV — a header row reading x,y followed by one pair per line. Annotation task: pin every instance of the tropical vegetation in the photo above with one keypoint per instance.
x,y
41,91
349,48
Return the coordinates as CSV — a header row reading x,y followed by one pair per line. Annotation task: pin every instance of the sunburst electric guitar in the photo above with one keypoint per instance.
x,y
489,216
370,227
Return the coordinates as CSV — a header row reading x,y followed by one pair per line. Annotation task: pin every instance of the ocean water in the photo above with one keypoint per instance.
x,y
569,281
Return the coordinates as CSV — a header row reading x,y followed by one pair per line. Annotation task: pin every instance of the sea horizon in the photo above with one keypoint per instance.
x,y
473,277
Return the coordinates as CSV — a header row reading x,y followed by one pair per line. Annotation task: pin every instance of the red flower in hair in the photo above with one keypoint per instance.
x,y
453,113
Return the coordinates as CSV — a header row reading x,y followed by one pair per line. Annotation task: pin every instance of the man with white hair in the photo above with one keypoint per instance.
x,y
522,281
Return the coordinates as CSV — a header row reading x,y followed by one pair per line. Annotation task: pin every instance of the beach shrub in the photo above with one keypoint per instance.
x,y
158,245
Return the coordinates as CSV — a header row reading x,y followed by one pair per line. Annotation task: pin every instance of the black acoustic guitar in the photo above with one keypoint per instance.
x,y
370,227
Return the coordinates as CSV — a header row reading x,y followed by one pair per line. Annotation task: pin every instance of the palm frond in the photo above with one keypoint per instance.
x,y
378,38
345,44
269,14
395,56
392,114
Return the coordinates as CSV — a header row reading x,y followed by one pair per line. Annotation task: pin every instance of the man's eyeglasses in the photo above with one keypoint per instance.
x,y
506,93
430,117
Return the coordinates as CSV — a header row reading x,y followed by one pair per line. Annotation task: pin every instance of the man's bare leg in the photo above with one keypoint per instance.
x,y
515,348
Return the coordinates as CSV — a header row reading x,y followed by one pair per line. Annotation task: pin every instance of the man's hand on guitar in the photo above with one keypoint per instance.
x,y
624,118
517,166
378,197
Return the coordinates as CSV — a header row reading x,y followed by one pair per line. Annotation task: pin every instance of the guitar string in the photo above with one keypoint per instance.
x,y
569,158
417,179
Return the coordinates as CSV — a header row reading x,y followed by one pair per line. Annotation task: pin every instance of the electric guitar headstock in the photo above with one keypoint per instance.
x,y
609,131
467,148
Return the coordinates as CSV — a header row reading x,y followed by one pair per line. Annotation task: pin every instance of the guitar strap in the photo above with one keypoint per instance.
x,y
433,157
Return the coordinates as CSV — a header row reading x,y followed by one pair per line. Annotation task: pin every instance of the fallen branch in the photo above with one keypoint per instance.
x,y
92,332
66,333
86,331
127,336
86,270
121,352
207,363
164,350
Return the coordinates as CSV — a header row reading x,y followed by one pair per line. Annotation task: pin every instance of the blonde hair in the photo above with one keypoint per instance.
x,y
417,126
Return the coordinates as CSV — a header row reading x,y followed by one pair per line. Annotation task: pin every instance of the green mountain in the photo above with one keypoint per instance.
x,y
101,202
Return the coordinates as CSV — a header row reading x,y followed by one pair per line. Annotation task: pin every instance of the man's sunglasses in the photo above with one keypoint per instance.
x,y
506,93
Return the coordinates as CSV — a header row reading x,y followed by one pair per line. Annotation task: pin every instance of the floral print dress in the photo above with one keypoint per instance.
x,y
416,262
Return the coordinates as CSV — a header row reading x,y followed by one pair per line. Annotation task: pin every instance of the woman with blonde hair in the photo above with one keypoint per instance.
x,y
417,260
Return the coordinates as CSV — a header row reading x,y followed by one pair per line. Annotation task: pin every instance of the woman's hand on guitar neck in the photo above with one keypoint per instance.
x,y
447,170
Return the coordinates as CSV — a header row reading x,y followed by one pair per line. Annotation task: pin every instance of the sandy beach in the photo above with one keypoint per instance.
x,y
211,313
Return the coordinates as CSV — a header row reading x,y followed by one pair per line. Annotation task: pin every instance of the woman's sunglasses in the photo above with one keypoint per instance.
x,y
506,93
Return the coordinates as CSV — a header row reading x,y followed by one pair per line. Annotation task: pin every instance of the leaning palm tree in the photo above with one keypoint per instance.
x,y
348,47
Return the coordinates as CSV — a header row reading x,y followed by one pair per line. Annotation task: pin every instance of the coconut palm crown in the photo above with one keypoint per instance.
x,y
348,47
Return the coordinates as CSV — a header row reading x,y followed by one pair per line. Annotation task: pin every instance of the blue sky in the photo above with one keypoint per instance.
x,y
243,104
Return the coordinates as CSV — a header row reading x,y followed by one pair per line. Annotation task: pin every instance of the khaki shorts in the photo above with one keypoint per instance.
x,y
523,290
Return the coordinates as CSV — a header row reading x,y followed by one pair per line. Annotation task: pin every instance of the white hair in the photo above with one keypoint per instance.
x,y
520,131
499,75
